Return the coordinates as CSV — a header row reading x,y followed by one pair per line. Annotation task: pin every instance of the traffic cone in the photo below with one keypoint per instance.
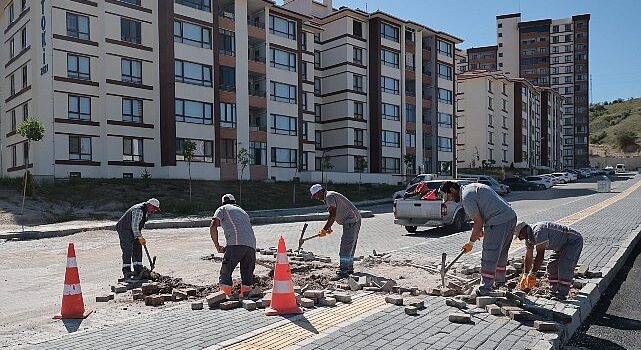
x,y
283,298
72,305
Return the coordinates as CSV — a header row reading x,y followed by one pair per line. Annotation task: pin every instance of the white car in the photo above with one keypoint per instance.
x,y
564,177
554,180
543,182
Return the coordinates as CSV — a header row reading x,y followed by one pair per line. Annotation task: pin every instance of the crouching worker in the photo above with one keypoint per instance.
x,y
241,244
566,243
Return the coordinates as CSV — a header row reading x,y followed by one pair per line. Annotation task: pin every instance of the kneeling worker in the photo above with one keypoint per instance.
x,y
129,229
241,244
344,213
566,243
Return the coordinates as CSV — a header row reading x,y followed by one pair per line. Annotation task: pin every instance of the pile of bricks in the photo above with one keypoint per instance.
x,y
153,293
411,306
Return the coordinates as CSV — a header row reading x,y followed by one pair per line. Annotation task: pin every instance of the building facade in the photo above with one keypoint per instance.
x,y
120,85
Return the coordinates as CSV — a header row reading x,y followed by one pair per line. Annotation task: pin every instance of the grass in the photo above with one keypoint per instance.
x,y
608,121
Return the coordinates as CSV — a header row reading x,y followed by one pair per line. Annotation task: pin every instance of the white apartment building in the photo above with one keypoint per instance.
x,y
120,84
504,121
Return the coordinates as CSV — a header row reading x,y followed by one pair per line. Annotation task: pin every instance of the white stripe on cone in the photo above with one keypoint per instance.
x,y
281,258
71,262
283,287
72,289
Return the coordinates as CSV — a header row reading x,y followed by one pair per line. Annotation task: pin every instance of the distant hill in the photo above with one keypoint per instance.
x,y
616,124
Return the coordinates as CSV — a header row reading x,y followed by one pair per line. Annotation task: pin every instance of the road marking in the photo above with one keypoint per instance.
x,y
316,325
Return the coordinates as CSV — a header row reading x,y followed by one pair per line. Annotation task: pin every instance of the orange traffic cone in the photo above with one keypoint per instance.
x,y
283,298
72,305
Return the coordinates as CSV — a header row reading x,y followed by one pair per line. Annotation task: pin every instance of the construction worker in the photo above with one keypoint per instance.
x,y
566,243
129,229
344,213
241,244
494,219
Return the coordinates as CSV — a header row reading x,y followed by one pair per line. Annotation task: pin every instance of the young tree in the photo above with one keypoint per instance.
x,y
360,166
243,158
33,130
410,161
189,147
327,165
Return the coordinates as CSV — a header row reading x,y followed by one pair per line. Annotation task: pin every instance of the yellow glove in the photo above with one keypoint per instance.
x,y
531,281
467,247
142,240
523,283
323,233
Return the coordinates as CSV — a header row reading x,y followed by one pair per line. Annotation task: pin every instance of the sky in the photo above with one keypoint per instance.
x,y
615,31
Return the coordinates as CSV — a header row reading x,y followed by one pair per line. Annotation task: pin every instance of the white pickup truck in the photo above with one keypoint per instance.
x,y
412,213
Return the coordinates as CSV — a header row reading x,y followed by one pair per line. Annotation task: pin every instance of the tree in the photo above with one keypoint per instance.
x,y
410,161
243,158
33,130
326,165
360,165
626,138
189,147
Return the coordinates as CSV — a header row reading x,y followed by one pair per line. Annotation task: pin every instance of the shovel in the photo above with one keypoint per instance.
x,y
152,262
302,240
444,268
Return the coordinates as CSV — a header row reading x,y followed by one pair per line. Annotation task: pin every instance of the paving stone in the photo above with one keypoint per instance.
x,y
179,295
353,285
411,310
394,299
138,296
197,305
314,294
191,292
297,289
435,292
363,281
448,292
582,271
112,296
267,300
249,305
343,297
453,285
387,286
595,274
119,289
521,316
150,288
459,318
215,298
507,310
326,260
482,302
102,298
544,326
493,309
229,305
419,304
497,294
154,300
307,303
579,283
327,301
456,303
371,289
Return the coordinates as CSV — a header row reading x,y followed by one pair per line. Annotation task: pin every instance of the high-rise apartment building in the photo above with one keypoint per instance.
x,y
120,85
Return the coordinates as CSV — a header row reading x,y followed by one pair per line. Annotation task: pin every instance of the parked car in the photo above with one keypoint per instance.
x,y
620,168
499,188
520,184
609,170
412,213
543,182
565,177
578,173
412,184
555,180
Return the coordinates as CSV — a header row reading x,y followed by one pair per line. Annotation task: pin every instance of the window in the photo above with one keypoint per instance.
x,y
12,15
192,34
505,105
283,92
130,31
490,103
445,96
358,82
444,48
389,85
282,59
204,5
317,59
14,122
359,110
227,78
390,111
228,151
77,26
258,152
227,41
131,110
282,27
303,42
357,167
283,125
490,137
12,84
568,38
445,168
303,71
132,150
445,71
25,111
444,120
389,58
78,67
357,28
358,137
504,139
79,147
305,132
391,165
489,86
358,55
317,85
196,112
444,144
133,2
391,138
12,48
410,113
204,151
131,71
410,139
23,37
192,73
389,32
24,77
318,139
317,112
283,157
227,115
304,100
79,107
410,61
505,122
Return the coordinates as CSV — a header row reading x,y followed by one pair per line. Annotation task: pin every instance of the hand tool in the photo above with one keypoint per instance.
x,y
444,268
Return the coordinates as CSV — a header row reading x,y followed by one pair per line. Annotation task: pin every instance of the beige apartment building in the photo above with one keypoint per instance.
x,y
504,121
121,84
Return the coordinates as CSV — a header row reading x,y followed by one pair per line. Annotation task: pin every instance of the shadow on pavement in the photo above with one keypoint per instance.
x,y
303,322
595,343
72,325
622,323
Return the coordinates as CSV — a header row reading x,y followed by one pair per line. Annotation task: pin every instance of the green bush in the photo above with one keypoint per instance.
x,y
626,138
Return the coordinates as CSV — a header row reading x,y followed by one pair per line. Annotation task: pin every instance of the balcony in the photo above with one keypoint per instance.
x,y
256,28
226,16
426,54
257,119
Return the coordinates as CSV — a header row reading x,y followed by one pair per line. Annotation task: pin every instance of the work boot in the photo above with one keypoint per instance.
x,y
339,276
125,276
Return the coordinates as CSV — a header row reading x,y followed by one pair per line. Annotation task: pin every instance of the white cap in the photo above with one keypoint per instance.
x,y
227,197
315,189
519,226
154,202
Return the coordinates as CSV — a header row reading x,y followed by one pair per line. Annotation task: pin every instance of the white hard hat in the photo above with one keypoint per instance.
x,y
227,198
519,226
154,202
315,189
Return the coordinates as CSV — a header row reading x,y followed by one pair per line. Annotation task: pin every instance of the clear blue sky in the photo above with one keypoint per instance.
x,y
615,30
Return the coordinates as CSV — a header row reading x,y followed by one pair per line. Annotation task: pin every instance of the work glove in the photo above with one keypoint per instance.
x,y
323,232
467,247
523,283
531,281
142,240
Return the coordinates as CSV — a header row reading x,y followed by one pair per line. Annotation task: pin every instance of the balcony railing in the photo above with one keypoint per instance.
x,y
410,68
257,92
227,14
227,87
410,93
257,127
255,23
260,59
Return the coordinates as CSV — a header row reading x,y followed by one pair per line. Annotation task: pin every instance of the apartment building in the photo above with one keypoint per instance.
x,y
504,121
121,84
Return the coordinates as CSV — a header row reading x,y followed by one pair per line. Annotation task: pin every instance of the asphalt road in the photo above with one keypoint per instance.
x,y
615,323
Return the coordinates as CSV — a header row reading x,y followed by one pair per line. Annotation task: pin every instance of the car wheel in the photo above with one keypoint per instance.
x,y
411,229
542,187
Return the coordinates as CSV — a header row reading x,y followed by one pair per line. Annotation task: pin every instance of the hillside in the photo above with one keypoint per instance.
x,y
616,124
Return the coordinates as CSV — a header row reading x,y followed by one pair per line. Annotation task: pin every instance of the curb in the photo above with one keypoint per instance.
x,y
170,223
